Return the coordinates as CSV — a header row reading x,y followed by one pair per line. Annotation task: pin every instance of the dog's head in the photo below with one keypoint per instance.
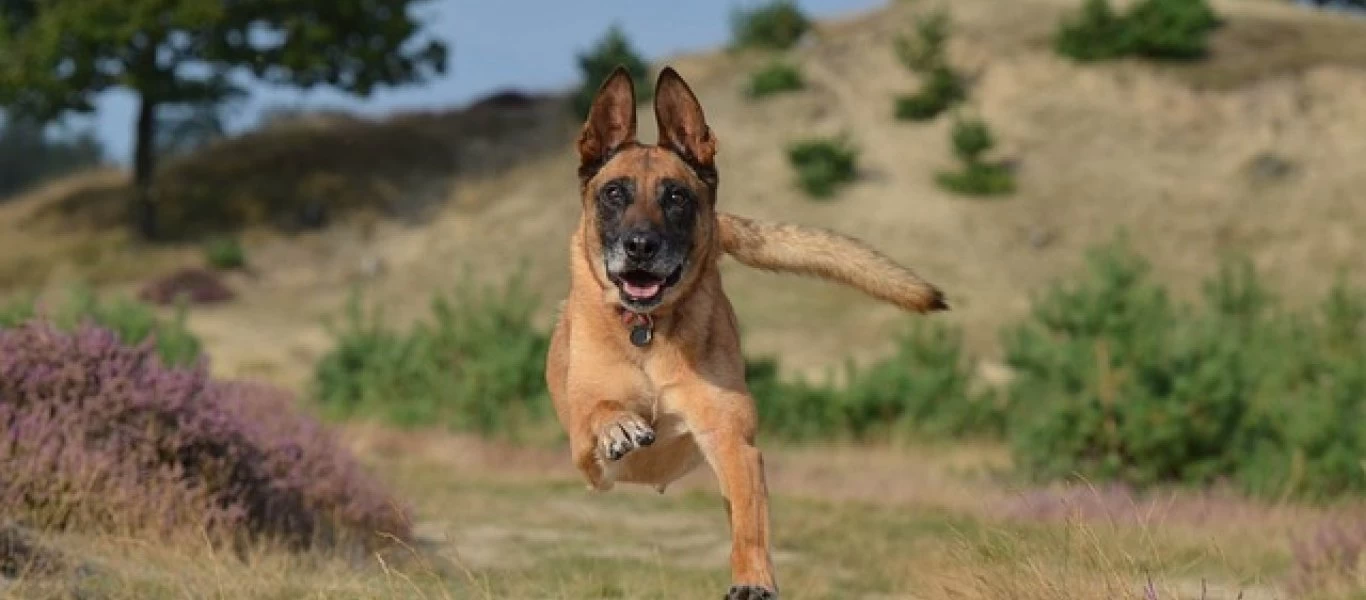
x,y
650,209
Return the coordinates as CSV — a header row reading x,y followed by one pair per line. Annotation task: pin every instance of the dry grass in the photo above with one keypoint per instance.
x,y
505,522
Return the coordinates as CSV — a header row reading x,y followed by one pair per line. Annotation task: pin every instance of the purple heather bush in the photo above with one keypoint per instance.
x,y
99,435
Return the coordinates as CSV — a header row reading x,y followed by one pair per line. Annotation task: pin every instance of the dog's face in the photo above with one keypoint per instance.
x,y
650,208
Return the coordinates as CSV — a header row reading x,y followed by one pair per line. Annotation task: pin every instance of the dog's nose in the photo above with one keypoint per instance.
x,y
641,245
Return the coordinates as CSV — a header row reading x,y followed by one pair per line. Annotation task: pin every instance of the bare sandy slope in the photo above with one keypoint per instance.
x,y
1170,153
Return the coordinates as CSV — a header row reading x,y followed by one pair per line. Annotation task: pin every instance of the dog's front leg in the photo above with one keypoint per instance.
x,y
606,432
724,425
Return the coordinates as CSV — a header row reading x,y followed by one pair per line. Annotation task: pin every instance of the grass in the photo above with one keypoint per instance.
x,y
505,522
225,252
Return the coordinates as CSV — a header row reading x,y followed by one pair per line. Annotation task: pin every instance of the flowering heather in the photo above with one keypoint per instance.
x,y
1335,555
96,434
197,286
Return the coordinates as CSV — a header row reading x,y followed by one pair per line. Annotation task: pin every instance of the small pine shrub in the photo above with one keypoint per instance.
x,y
101,437
477,365
920,390
1117,382
927,51
132,321
773,25
1159,29
225,253
823,165
1170,29
613,49
971,139
1096,33
775,78
978,179
942,89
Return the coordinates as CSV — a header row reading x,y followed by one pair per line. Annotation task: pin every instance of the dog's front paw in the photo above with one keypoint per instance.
x,y
750,592
623,433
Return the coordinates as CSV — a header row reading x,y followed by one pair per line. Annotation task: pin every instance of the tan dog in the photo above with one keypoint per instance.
x,y
645,366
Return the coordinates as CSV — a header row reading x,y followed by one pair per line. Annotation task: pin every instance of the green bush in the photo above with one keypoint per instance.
x,y
823,164
941,90
1161,29
613,49
978,179
775,78
133,321
971,139
773,25
1174,29
1096,33
927,51
920,390
1117,382
477,365
225,253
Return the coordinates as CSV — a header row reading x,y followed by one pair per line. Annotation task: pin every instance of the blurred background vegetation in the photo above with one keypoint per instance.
x,y
1146,215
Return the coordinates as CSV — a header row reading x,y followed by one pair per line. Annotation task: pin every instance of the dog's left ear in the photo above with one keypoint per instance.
x,y
682,126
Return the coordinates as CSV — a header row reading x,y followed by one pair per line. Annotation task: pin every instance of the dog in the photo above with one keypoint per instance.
x,y
644,367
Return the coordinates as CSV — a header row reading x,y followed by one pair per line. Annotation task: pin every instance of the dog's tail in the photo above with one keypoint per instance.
x,y
828,255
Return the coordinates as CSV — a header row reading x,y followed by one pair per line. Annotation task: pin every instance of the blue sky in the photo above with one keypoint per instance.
x,y
496,44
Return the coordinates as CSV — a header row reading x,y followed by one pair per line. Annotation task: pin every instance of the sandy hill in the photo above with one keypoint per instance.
x,y
1256,150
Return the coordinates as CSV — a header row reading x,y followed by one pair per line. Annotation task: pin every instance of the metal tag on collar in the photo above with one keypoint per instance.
x,y
643,331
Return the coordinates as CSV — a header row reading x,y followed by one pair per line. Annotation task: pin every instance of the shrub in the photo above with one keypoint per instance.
x,y
1116,382
921,389
1096,33
775,78
225,252
941,90
773,25
191,285
823,164
978,179
1162,29
927,51
99,435
613,49
1173,29
478,365
971,139
132,321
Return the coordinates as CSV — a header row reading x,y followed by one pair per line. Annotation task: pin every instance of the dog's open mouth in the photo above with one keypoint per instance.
x,y
643,288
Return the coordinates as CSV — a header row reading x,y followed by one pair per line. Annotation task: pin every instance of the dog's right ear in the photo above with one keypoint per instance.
x,y
611,122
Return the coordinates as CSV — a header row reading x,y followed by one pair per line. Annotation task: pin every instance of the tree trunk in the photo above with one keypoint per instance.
x,y
144,167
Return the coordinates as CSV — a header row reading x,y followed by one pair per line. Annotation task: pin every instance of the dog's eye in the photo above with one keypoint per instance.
x,y
614,194
676,198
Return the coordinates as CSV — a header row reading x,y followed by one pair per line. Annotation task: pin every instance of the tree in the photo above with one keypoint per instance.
x,y
611,50
28,155
56,57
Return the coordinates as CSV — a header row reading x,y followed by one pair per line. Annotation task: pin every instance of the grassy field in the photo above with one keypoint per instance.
x,y
931,522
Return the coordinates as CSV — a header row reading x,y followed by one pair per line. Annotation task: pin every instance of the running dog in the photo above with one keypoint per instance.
x,y
644,367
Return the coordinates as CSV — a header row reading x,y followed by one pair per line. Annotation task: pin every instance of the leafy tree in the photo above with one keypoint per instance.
x,y
612,49
56,57
28,155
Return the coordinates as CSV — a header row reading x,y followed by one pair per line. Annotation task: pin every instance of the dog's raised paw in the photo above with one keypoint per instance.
x,y
622,434
750,592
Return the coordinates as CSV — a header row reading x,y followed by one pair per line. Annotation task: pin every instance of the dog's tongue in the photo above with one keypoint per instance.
x,y
641,291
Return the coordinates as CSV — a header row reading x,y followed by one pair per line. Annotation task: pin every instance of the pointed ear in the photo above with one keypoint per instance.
x,y
611,121
682,127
